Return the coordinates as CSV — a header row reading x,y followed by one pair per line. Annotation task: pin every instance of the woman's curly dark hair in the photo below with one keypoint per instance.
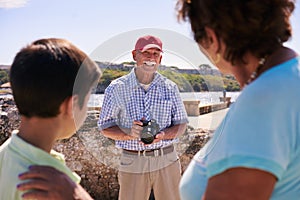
x,y
255,26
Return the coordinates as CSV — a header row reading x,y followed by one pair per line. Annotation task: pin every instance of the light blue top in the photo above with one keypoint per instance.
x,y
261,130
16,156
125,100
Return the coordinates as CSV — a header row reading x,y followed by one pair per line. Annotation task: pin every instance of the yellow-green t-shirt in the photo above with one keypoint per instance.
x,y
16,156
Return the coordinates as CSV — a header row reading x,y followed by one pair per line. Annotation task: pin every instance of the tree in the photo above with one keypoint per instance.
x,y
3,76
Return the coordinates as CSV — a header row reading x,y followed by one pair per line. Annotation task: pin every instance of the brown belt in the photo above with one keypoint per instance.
x,y
150,152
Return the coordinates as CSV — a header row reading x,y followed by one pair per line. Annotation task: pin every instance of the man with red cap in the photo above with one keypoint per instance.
x,y
144,114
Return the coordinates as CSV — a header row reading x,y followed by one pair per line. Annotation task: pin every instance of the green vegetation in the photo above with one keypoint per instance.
x,y
182,82
3,76
109,75
231,83
186,82
199,83
205,80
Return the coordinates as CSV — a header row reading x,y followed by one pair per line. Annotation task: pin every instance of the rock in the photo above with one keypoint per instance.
x,y
92,156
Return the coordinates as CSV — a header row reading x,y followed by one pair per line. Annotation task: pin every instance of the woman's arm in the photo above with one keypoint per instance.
x,y
241,183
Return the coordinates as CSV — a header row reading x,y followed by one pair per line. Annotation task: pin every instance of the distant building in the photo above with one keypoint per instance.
x,y
4,67
5,89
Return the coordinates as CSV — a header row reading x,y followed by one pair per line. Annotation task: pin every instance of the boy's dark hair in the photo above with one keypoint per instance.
x,y
48,71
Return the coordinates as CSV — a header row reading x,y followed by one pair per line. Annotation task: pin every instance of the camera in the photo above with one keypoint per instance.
x,y
150,129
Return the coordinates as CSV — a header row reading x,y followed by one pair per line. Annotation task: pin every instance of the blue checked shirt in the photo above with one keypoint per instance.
x,y
126,100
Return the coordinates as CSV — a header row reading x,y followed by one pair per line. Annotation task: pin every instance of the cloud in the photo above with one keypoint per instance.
x,y
12,3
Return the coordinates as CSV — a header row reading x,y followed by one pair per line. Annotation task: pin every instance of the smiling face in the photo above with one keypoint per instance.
x,y
147,60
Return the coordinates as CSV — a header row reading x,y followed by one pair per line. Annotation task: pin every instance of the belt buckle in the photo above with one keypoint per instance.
x,y
155,152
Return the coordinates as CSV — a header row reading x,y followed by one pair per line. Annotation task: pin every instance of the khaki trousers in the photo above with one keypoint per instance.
x,y
136,177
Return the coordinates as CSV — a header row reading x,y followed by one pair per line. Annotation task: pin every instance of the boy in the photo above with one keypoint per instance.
x,y
51,80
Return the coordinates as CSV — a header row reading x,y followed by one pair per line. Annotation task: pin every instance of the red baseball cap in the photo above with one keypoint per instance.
x,y
147,42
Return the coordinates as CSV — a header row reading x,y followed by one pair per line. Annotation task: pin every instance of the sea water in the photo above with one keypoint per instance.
x,y
96,100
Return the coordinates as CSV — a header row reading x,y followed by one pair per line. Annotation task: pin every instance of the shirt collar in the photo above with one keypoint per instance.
x,y
135,83
40,157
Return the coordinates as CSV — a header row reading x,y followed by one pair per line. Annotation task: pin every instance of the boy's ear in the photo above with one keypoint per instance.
x,y
67,106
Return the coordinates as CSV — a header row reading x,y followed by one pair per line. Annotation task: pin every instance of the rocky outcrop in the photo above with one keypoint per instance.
x,y
95,157
9,118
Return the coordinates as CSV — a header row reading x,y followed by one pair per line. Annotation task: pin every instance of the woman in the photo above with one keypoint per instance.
x,y
255,152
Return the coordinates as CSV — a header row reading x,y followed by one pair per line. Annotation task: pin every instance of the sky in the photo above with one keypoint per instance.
x,y
105,30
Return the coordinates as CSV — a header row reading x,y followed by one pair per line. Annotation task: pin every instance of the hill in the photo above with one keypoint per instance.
x,y
203,78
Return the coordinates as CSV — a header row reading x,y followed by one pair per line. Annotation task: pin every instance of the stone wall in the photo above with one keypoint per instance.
x,y
93,156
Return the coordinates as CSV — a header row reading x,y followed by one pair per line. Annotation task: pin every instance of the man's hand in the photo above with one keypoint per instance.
x,y
159,136
47,183
136,129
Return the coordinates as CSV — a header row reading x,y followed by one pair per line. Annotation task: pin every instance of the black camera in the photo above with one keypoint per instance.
x,y
150,129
